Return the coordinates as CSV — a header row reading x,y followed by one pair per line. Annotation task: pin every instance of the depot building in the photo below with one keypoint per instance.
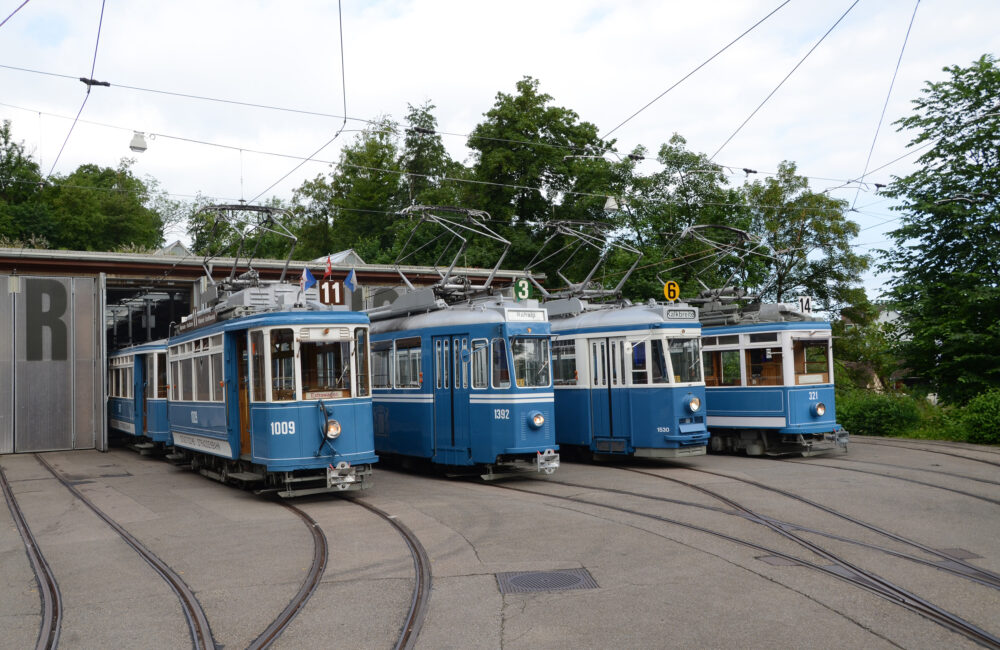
x,y
61,312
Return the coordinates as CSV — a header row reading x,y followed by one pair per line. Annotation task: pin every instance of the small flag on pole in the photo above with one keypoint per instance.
x,y
307,280
329,268
352,281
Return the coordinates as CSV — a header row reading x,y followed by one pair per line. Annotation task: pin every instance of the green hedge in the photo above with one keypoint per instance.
x,y
981,418
867,413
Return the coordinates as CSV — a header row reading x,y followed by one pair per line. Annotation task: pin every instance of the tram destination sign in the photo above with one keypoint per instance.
x,y
526,315
681,314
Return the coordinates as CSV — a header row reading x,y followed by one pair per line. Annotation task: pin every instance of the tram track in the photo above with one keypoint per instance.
x,y
906,479
321,554
414,621
880,443
48,588
840,569
198,625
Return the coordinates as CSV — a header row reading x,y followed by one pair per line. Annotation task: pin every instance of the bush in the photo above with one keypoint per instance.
x,y
866,413
981,418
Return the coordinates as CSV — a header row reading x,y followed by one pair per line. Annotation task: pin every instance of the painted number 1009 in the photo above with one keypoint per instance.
x,y
501,414
284,428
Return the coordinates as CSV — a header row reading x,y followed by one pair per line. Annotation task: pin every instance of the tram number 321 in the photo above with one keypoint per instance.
x,y
501,414
283,428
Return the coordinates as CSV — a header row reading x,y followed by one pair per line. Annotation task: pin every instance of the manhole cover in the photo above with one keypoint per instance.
x,y
562,580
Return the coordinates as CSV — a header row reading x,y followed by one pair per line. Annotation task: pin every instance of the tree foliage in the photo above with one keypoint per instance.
x,y
93,208
946,254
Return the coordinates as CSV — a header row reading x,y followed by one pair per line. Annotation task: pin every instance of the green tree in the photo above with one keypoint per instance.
x,y
946,254
22,215
522,170
101,208
808,239
426,163
354,206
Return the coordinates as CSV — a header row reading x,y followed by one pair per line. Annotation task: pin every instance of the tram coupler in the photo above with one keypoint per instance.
x,y
547,461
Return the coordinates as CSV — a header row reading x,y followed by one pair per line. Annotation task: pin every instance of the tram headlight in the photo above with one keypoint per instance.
x,y
332,429
694,404
536,420
819,409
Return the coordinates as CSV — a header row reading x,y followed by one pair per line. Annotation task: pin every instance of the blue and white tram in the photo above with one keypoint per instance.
x,y
628,378
277,399
137,395
770,387
465,385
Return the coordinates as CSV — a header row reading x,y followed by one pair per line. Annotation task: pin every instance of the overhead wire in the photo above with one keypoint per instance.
x,y
343,78
790,73
696,69
19,7
886,104
89,82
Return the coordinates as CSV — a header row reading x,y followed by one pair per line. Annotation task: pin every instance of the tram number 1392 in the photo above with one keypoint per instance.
x,y
501,414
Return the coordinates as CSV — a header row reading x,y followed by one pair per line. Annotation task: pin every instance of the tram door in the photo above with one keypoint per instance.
x,y
140,364
243,390
451,395
608,400
147,383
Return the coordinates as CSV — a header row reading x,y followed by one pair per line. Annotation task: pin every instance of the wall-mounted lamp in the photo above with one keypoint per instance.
x,y
138,143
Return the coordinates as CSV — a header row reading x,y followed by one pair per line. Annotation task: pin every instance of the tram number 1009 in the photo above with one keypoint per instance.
x,y
283,428
501,414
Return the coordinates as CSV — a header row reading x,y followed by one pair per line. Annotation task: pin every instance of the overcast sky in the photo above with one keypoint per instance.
x,y
603,59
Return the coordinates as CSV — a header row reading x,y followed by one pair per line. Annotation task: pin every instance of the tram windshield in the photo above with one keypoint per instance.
x,y
685,361
326,369
531,361
685,357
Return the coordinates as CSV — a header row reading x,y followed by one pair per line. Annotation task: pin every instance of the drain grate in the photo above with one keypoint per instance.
x,y
562,580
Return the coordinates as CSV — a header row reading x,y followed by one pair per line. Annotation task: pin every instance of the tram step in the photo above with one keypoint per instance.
x,y
143,448
176,458
247,476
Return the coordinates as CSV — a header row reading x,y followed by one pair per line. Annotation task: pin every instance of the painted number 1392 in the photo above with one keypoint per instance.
x,y
501,414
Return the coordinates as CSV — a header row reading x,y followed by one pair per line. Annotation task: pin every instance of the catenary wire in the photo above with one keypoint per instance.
x,y
791,72
19,8
881,118
89,82
343,79
696,69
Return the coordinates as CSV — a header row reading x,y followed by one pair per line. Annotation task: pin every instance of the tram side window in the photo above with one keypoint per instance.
x,y
658,363
218,382
203,388
257,364
381,364
326,369
175,378
361,352
812,364
640,370
480,364
764,366
564,372
187,381
161,375
282,365
722,368
501,371
408,359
